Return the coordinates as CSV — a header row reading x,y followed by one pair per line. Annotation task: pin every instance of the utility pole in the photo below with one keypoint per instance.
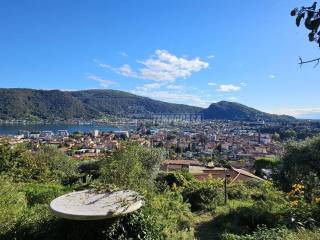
x,y
226,175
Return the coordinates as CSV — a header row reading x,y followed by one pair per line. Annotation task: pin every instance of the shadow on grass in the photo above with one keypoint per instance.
x,y
205,229
61,229
242,220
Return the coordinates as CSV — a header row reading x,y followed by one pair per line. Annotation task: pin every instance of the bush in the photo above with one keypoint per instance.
x,y
300,164
43,165
261,234
131,167
275,234
270,209
168,212
179,179
204,195
42,193
238,190
12,204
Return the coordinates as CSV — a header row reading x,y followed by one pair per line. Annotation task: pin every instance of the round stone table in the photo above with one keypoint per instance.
x,y
90,205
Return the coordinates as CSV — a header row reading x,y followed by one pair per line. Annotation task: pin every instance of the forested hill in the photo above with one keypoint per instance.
x,y
89,104
239,112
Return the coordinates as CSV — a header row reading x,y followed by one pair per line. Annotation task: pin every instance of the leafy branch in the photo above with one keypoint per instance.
x,y
311,16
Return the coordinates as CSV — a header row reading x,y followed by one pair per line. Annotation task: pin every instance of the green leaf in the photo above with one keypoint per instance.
x,y
298,19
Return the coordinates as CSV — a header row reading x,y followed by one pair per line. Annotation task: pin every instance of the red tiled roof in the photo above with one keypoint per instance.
x,y
182,162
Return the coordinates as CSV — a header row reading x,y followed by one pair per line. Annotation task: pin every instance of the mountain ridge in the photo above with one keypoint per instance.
x,y
24,103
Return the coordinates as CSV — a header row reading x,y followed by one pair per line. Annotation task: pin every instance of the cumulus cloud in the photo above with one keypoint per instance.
x,y
103,82
165,66
228,88
162,66
127,71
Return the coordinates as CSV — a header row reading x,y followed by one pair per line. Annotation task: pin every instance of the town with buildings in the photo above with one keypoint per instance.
x,y
188,144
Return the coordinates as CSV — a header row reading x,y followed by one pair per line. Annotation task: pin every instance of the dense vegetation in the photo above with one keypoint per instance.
x,y
177,205
33,104
238,112
56,104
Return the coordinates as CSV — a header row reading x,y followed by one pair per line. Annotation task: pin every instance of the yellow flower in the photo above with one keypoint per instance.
x,y
174,187
294,202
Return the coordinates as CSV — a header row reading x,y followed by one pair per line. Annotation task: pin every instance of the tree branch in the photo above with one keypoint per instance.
x,y
317,60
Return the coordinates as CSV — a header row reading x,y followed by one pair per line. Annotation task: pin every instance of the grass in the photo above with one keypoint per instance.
x,y
203,226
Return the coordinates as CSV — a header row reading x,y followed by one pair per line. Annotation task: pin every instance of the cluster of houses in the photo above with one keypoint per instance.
x,y
186,144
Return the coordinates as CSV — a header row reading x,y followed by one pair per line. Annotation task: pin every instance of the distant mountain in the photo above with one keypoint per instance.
x,y
238,112
20,103
52,104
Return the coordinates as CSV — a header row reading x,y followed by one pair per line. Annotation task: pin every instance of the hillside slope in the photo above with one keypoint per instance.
x,y
88,104
238,112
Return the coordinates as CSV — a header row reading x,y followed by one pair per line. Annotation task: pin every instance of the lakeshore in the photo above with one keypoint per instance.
x,y
14,129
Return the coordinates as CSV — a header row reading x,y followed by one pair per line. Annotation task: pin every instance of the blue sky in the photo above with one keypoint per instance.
x,y
182,51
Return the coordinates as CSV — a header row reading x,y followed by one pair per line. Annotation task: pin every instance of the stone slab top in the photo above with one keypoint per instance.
x,y
92,205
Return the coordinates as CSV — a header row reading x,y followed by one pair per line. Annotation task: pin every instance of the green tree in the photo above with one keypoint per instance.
x,y
132,166
311,16
290,134
300,163
276,137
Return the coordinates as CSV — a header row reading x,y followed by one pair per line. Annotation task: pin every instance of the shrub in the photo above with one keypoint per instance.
x,y
179,179
300,164
275,234
269,209
12,204
238,190
262,233
42,193
204,195
131,167
43,165
168,212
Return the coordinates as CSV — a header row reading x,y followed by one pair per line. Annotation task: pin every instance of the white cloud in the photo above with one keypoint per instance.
x,y
67,89
232,98
163,66
123,54
127,71
212,84
297,112
228,88
173,86
104,65
210,56
103,82
148,86
243,84
175,97
272,76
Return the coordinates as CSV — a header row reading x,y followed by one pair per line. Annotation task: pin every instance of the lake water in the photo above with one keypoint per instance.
x,y
13,129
